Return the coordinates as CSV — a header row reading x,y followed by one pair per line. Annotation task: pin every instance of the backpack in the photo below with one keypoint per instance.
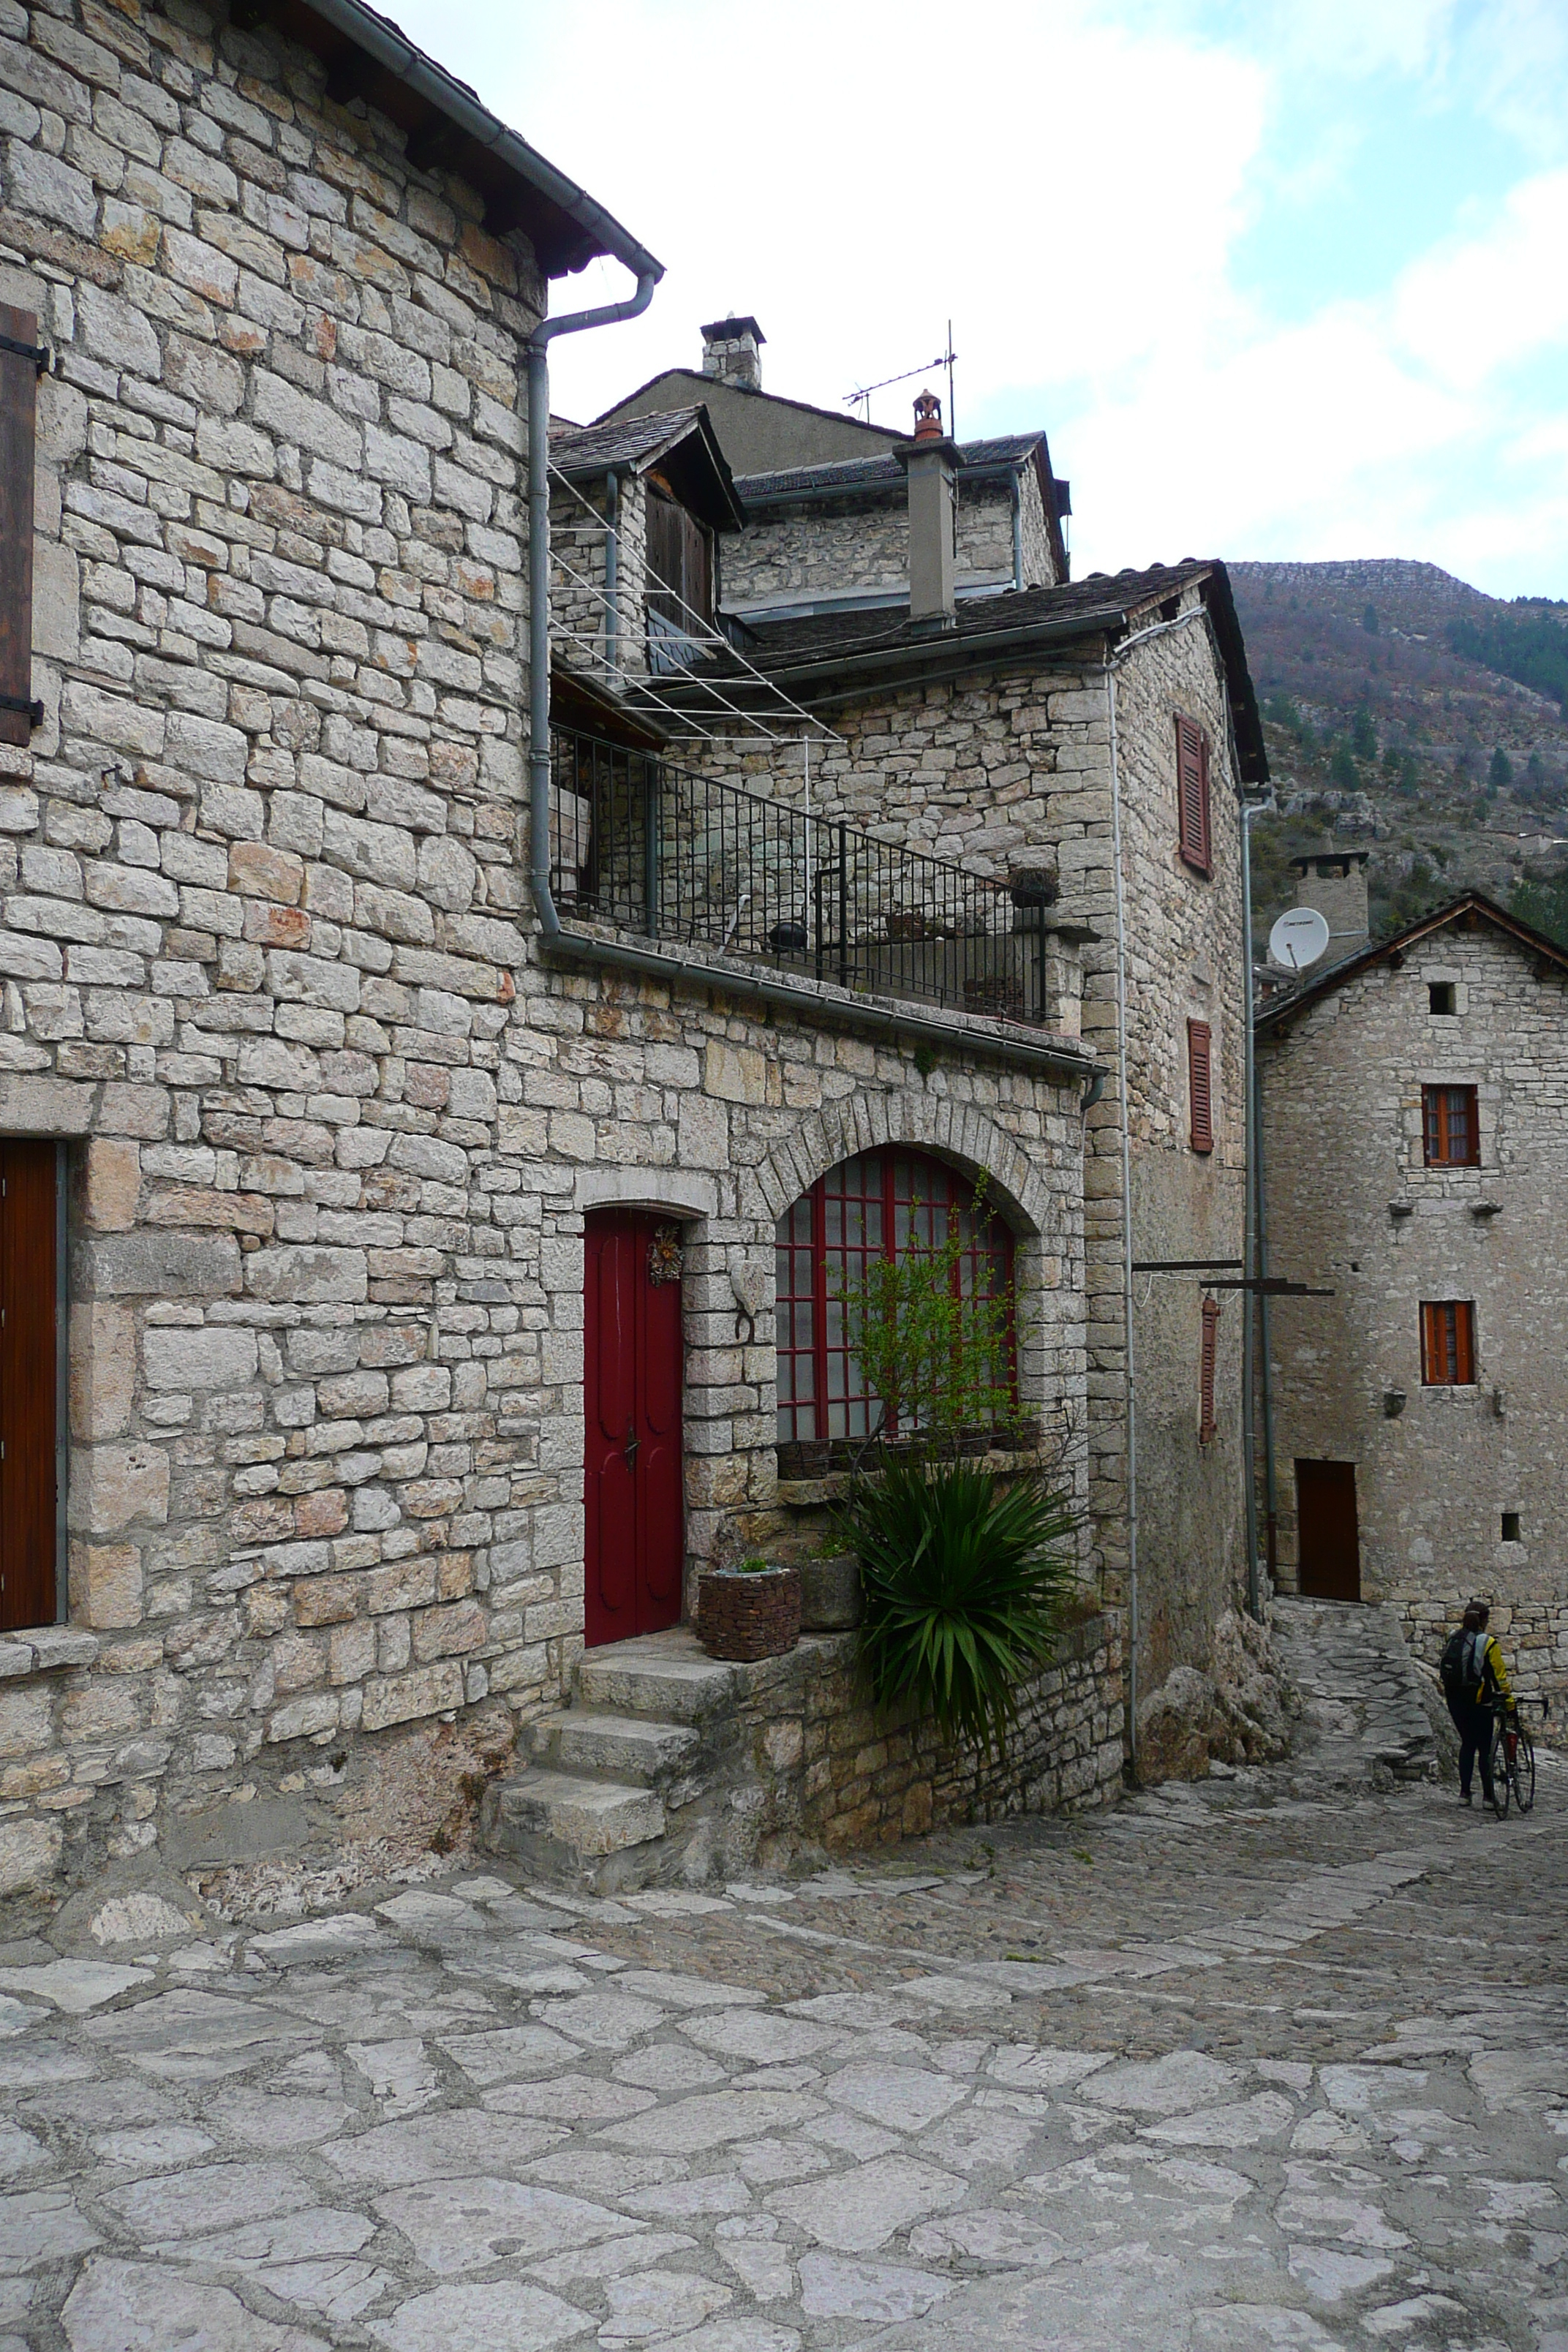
x,y
1451,1673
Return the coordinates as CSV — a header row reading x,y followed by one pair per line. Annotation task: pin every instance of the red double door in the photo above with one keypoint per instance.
x,y
636,1534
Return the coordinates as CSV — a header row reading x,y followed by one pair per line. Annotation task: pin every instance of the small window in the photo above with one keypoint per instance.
x,y
1441,997
1208,1426
1200,1085
1450,1130
1193,794
30,1425
1510,1526
1448,1343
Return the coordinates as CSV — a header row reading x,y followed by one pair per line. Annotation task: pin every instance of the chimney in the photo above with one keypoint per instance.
x,y
932,461
730,352
1334,881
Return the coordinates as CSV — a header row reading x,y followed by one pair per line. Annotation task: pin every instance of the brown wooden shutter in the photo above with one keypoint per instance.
x,y
18,433
1208,1426
1200,1088
1193,792
27,1383
1464,1342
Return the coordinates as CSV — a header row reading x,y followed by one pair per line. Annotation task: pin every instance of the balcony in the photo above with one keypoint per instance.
x,y
641,845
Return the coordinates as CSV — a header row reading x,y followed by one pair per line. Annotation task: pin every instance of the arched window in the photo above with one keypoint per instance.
x,y
883,1204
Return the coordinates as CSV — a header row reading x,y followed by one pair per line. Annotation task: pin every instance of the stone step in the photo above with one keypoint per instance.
x,y
630,1747
665,1676
563,1823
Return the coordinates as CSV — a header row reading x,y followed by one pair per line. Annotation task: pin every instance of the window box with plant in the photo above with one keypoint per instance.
x,y
965,1572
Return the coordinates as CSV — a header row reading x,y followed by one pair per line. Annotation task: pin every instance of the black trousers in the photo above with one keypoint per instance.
x,y
1474,1725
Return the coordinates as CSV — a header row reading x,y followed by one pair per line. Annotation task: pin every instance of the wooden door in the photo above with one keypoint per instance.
x,y
635,1541
1328,1547
29,1375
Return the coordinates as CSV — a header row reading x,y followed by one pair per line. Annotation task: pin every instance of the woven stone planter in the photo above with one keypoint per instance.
x,y
747,1615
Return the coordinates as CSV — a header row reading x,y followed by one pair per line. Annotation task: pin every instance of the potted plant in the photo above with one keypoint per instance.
x,y
749,1611
965,1573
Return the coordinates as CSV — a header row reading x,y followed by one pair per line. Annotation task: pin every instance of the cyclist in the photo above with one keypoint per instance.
x,y
1477,1687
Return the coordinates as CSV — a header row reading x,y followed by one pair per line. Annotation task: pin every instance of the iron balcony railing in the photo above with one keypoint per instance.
x,y
648,846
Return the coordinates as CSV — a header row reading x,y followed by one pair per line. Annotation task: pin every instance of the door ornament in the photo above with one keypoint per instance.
x,y
664,1254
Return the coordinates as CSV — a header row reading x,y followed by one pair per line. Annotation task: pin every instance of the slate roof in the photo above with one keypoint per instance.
x,y
1470,907
810,657
698,469
851,474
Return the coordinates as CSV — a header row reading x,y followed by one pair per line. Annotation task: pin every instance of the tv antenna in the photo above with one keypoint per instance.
x,y
861,397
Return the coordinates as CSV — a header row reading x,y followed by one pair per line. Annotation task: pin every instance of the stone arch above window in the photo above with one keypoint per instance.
x,y
952,1131
879,1205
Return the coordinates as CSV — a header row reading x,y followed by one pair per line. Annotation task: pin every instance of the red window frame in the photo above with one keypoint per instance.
x,y
1448,1343
1450,1127
864,1209
1192,838
1200,1084
1209,1419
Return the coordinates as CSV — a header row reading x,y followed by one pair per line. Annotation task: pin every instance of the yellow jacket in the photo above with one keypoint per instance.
x,y
1493,1672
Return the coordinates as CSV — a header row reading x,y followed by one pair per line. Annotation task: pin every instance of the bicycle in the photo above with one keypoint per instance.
x,y
1513,1761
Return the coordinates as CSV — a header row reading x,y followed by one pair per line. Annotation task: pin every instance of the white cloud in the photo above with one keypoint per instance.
x,y
1070,185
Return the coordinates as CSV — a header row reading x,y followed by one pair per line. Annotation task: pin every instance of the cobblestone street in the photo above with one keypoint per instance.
x,y
1233,2065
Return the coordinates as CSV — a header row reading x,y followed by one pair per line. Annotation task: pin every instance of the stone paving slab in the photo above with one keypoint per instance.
x,y
1248,2067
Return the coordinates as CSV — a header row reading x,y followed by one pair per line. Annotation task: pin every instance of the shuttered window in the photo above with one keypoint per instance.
x,y
1208,1426
1193,792
1448,1343
18,420
1450,1128
1200,1085
680,583
30,1381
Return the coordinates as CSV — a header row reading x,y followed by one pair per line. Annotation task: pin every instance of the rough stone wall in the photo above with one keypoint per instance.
x,y
1011,771
578,542
834,545
259,888
1342,1107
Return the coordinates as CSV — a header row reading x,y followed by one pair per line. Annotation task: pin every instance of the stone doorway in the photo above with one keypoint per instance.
x,y
1328,1542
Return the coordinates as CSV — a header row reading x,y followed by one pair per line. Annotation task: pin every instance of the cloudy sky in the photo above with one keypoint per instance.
x,y
1280,277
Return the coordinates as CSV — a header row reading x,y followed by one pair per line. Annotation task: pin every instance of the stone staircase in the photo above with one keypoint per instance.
x,y
658,1768
1366,1711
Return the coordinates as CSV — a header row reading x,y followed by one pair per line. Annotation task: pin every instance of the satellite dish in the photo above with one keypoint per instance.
x,y
1300,938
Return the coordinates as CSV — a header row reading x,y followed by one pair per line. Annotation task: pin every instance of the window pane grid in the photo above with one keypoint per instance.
x,y
1450,1127
876,1207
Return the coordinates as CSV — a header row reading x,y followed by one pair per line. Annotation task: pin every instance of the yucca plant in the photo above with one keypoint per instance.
x,y
963,1578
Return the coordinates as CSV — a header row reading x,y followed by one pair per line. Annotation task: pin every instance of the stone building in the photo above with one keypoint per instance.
x,y
1415,1121
759,431
403,1097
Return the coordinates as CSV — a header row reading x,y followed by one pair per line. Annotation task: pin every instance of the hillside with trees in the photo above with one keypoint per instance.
x,y
1409,715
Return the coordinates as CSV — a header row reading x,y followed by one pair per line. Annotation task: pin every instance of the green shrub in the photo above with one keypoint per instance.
x,y
964,1580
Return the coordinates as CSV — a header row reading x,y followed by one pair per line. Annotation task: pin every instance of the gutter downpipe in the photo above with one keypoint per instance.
x,y
1250,1245
574,322
611,569
1270,1493
1132,1629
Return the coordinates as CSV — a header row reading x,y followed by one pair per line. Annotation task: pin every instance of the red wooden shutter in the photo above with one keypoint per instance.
x,y
1208,1426
18,408
1193,792
1448,1343
27,1384
1200,1089
1464,1315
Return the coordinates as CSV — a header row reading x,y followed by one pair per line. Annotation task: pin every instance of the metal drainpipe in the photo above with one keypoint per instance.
x,y
1270,1491
1017,528
1121,1055
1248,1248
612,568
573,323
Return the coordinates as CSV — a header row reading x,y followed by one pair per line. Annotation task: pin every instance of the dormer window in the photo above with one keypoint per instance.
x,y
680,583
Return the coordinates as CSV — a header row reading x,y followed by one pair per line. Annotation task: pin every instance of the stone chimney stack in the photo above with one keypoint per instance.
x,y
1334,881
931,462
730,352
